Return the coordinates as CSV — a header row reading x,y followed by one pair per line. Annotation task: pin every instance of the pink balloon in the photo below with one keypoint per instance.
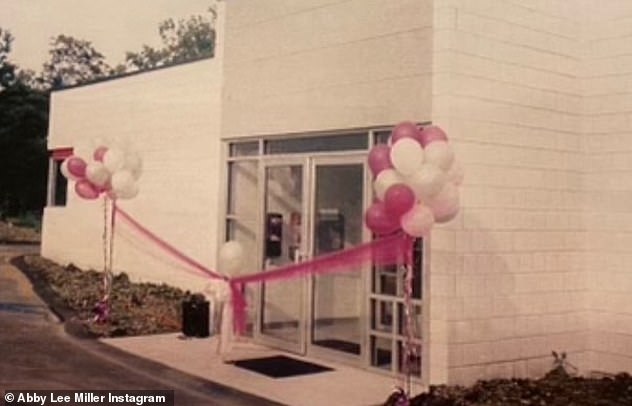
x,y
99,153
380,158
85,189
77,166
398,199
430,134
379,220
405,129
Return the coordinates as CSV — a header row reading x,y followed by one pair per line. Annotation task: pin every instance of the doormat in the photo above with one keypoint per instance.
x,y
340,345
279,366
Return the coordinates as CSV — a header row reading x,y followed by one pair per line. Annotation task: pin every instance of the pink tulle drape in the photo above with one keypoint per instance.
x,y
391,250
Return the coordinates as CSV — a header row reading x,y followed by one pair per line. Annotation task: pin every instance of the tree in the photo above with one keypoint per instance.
x,y
185,40
23,127
7,69
72,62
23,155
24,99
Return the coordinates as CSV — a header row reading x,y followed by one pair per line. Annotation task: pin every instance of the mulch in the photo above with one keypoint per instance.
x,y
71,293
557,388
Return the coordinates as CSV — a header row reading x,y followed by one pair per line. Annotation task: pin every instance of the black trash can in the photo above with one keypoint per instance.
x,y
195,316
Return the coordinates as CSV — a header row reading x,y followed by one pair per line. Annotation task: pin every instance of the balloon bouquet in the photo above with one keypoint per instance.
x,y
112,173
416,179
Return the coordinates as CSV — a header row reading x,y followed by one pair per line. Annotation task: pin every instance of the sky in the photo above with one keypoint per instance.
x,y
113,26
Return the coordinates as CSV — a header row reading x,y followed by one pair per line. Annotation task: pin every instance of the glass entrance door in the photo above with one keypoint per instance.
x,y
281,318
338,299
312,207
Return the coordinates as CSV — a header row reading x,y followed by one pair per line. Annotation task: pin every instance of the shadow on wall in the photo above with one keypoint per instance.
x,y
507,319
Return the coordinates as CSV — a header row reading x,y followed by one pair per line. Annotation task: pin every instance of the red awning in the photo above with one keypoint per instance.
x,y
60,154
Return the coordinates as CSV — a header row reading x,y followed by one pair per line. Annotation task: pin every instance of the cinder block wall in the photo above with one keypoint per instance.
x,y
171,116
507,281
293,66
607,88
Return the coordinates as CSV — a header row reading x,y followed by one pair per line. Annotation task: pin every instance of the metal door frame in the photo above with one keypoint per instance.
x,y
309,162
259,335
312,349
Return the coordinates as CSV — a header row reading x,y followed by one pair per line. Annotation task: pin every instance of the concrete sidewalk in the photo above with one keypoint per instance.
x,y
344,386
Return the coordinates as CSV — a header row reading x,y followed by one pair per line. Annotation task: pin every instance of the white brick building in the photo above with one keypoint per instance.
x,y
536,97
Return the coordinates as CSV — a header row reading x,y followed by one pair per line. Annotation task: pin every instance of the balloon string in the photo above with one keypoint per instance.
x,y
105,243
111,248
159,242
102,308
408,314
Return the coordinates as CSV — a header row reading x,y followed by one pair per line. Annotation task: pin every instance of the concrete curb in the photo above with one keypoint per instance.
x,y
56,305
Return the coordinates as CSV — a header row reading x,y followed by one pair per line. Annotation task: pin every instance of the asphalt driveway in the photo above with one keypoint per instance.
x,y
36,353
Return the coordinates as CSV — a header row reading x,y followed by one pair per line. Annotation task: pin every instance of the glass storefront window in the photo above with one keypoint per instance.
x,y
247,148
319,143
381,137
414,359
416,319
60,186
381,352
242,188
322,195
381,315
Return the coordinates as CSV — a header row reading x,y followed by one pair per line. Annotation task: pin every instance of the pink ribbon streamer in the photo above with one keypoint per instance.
x,y
392,250
167,247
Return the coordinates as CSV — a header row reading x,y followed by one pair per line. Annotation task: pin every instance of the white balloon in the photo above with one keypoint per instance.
x,y
134,164
123,183
418,221
455,173
439,153
97,173
384,180
445,205
114,159
231,257
64,171
427,181
407,156
127,193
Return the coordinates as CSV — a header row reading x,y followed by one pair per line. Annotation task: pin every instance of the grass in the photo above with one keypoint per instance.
x,y
19,232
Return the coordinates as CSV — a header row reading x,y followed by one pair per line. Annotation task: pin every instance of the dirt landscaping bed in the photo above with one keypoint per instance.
x,y
136,308
557,388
